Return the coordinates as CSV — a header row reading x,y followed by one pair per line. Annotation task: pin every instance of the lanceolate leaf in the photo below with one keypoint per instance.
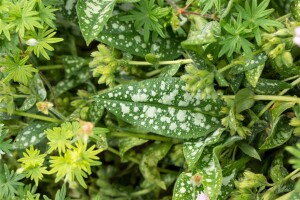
x,y
122,35
281,132
164,107
129,142
268,86
193,149
93,15
32,134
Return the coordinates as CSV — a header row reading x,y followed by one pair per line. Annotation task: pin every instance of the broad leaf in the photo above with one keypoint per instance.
x,y
268,86
92,16
280,133
122,35
148,165
279,107
28,103
164,107
95,112
129,142
72,64
32,134
249,150
253,75
192,150
184,189
244,99
169,70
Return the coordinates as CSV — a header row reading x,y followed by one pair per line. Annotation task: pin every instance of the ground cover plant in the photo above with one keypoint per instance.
x,y
149,99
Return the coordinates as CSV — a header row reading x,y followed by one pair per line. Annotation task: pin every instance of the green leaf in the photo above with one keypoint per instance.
x,y
99,135
95,112
81,77
162,106
268,86
73,64
122,35
279,107
127,143
148,165
244,99
209,167
280,133
257,65
249,150
169,70
38,89
5,145
92,16
32,134
183,189
193,149
28,103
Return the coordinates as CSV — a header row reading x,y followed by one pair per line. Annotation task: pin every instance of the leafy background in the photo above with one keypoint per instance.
x,y
149,99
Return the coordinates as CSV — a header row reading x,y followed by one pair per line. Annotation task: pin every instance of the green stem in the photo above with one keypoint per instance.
x,y
50,67
145,63
152,73
16,95
235,63
290,175
268,98
294,83
228,8
34,116
141,192
141,136
58,114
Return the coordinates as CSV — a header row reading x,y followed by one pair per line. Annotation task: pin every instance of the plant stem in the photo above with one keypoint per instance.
x,y
145,63
231,65
50,67
228,8
57,113
268,98
34,116
152,73
141,136
140,192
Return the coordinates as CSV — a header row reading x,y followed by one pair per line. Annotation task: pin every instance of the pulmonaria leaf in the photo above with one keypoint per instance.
x,y
122,35
163,106
28,103
32,134
193,149
268,86
280,133
257,65
127,143
184,189
72,64
92,16
148,165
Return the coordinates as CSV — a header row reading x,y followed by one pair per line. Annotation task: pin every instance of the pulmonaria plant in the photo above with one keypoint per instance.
x,y
137,99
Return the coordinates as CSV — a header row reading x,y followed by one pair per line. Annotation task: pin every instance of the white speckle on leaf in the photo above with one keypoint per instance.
x,y
182,190
151,112
125,109
173,126
139,97
33,139
181,115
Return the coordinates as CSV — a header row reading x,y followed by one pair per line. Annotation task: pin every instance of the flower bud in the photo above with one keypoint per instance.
x,y
202,196
196,179
44,106
31,42
277,50
287,59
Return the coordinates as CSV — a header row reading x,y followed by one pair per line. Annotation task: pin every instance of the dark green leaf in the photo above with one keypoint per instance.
x,y
244,99
164,107
92,16
249,150
268,86
169,70
73,64
28,103
127,143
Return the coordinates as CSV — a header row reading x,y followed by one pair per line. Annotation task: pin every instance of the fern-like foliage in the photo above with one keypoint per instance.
x,y
5,145
32,163
9,183
16,69
255,17
147,16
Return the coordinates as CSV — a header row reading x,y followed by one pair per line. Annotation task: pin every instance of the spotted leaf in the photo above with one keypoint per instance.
x,y
163,106
92,16
184,189
193,149
280,133
72,64
122,35
127,143
32,134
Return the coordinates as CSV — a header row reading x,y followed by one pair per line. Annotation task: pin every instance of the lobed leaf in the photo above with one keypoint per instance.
x,y
163,106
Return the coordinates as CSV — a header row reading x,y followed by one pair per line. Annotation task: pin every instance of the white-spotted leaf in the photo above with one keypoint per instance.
x,y
184,189
72,64
129,142
92,16
280,133
122,35
268,86
32,134
209,167
163,106
148,165
28,103
193,149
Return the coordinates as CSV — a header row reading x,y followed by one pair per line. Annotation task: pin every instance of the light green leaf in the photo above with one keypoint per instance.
x,y
257,65
38,88
92,16
244,99
95,112
148,165
127,1
32,134
184,189
163,106
280,133
279,107
193,149
122,35
169,70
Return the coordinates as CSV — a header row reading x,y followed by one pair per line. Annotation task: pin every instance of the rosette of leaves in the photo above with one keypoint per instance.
x,y
105,65
149,17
